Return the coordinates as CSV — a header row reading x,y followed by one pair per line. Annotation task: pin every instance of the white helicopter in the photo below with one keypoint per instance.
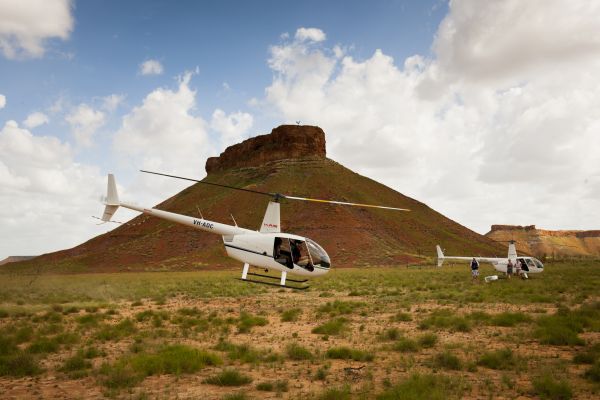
x,y
267,248
528,264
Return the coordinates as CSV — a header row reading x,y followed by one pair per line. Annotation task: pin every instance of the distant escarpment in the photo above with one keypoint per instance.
x,y
549,244
286,142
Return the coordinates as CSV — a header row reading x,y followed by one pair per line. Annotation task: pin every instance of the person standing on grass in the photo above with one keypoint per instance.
x,y
474,269
509,269
518,268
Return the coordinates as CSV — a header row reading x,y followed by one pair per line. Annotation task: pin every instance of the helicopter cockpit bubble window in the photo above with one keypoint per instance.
x,y
318,254
529,262
538,263
300,254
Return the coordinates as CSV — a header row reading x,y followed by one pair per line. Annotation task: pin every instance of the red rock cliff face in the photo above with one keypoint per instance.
x,y
284,142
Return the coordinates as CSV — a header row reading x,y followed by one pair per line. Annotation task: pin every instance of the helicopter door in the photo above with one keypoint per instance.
x,y
524,265
282,252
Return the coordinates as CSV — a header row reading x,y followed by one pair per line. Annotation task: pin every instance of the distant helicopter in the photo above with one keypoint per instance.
x,y
528,264
267,248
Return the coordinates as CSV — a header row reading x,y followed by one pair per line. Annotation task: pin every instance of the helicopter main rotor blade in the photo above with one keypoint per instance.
x,y
345,203
210,183
277,196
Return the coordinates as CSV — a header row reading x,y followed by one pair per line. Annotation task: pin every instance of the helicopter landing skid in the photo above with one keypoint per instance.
x,y
273,284
276,277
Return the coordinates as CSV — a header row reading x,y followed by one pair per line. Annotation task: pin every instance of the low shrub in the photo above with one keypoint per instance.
x,y
447,360
425,386
228,377
119,331
338,307
174,359
248,321
509,319
427,340
19,364
331,327
502,359
342,393
291,315
549,388
593,374
296,352
445,319
346,353
390,334
405,345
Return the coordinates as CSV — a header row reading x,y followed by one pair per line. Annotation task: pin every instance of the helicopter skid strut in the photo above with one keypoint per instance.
x,y
274,277
274,284
282,279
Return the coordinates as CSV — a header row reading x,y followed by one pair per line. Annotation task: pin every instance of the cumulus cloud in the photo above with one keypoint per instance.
x,y
43,187
25,27
2,101
486,131
36,119
506,39
163,134
310,34
84,122
110,103
151,67
232,128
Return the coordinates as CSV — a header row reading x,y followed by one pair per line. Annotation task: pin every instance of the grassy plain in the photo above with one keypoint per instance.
x,y
371,333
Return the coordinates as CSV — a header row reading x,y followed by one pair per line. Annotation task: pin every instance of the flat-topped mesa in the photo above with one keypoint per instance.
x,y
512,228
283,143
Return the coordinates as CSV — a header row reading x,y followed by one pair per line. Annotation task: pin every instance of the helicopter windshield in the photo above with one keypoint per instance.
x,y
538,263
318,254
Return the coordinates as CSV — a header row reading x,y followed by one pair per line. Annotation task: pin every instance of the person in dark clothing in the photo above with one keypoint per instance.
x,y
474,269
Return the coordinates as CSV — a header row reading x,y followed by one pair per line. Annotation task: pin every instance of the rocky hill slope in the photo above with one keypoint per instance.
x,y
549,244
290,160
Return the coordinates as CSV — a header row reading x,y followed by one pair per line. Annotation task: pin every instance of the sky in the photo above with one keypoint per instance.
x,y
488,112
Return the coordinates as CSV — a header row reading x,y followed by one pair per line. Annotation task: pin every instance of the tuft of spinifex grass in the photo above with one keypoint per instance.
x,y
445,319
593,374
336,393
503,359
331,327
425,386
174,359
19,364
291,315
273,386
247,321
547,387
246,353
509,319
296,352
123,329
338,307
228,377
447,360
347,353
406,345
76,367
